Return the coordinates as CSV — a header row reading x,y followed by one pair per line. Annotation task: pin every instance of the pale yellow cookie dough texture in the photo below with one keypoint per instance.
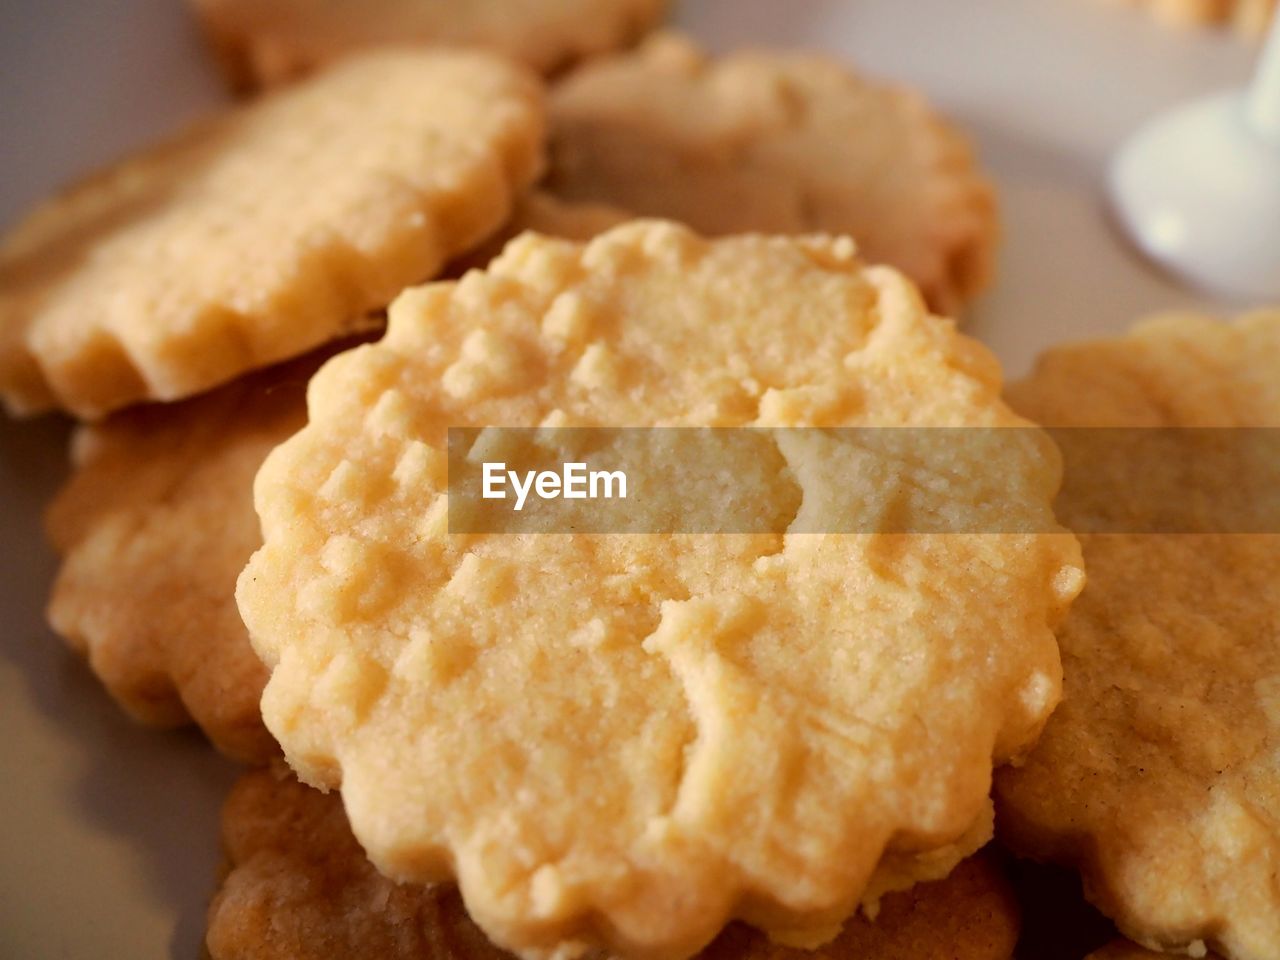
x,y
264,42
1158,776
157,521
300,888
154,526
627,741
1250,17
262,233
778,143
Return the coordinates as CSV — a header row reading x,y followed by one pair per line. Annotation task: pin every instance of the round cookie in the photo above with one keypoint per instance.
x,y
157,521
300,888
153,527
262,233
1250,17
265,42
627,741
1157,776
777,143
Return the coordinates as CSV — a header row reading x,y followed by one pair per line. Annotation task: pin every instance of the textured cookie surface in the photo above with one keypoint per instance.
x,y
633,739
1158,775
267,41
300,888
1248,16
154,526
157,521
262,233
777,143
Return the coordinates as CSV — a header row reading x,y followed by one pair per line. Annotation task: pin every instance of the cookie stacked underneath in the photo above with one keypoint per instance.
x,y
301,888
1157,776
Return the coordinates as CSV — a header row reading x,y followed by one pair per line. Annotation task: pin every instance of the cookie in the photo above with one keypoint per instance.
x,y
1250,17
157,521
300,888
777,142
1157,776
262,233
265,42
153,527
626,742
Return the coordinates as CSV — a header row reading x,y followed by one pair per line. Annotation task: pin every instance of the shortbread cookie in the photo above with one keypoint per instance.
x,y
154,526
1248,16
157,521
1158,775
263,42
263,233
777,143
627,741
300,888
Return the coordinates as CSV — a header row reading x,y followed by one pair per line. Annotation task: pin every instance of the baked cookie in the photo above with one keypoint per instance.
x,y
628,741
1248,16
264,42
1157,776
153,527
777,143
300,888
157,521
263,233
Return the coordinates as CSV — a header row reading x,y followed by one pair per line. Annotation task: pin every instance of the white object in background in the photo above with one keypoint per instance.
x,y
1199,188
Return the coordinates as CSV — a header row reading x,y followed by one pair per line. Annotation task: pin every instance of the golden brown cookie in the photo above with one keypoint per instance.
x,y
1250,17
153,527
300,888
157,522
264,42
777,143
1158,776
628,741
262,233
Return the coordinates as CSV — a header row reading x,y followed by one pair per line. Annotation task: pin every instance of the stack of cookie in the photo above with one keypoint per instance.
x,y
741,745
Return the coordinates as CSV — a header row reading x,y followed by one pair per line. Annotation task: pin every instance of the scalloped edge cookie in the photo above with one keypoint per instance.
x,y
778,142
264,232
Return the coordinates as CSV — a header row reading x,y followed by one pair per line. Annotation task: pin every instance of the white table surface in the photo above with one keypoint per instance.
x,y
108,833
